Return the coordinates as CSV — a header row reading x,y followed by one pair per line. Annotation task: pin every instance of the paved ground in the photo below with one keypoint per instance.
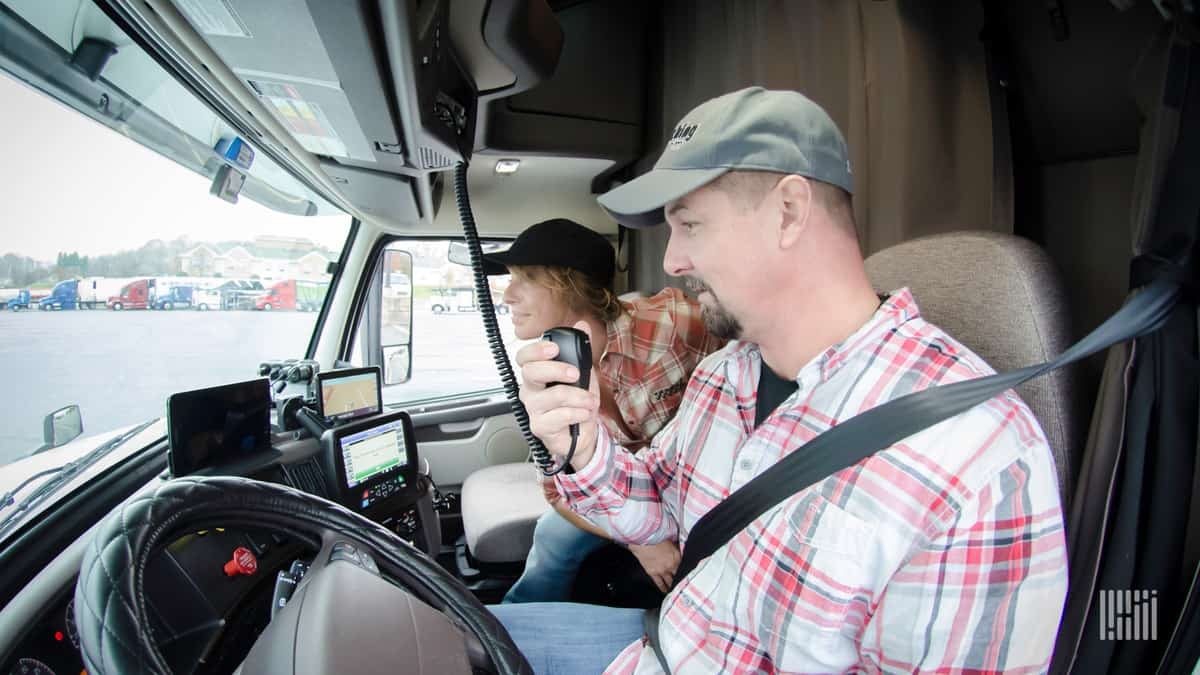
x,y
121,366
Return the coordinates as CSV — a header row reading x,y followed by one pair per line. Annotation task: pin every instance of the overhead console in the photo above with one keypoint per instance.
x,y
383,92
586,107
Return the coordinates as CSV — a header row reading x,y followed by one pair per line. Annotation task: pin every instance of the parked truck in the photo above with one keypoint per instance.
x,y
240,293
175,297
137,294
305,296
94,292
205,299
64,295
447,300
21,301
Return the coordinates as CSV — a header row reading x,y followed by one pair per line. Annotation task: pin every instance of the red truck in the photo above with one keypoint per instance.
x,y
134,295
305,296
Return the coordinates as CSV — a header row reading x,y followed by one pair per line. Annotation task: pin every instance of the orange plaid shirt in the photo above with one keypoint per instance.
x,y
652,349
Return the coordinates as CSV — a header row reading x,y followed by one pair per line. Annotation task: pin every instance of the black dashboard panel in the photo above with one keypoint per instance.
x,y
205,610
52,644
365,459
194,604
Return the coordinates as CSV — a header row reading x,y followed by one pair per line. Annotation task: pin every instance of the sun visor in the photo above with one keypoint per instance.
x,y
314,66
377,87
384,195
389,88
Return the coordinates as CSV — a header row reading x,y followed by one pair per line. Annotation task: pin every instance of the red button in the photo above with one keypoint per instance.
x,y
243,562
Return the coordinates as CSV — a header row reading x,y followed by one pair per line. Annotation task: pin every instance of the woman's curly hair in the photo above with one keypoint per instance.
x,y
580,293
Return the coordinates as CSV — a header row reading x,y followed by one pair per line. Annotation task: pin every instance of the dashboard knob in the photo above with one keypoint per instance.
x,y
243,562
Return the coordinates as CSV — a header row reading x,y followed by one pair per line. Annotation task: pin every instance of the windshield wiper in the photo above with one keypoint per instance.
x,y
61,475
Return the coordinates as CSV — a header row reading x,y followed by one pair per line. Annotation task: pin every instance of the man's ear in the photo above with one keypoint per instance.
x,y
795,201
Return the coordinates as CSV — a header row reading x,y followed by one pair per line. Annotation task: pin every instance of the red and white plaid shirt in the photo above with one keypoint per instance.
x,y
652,349
942,553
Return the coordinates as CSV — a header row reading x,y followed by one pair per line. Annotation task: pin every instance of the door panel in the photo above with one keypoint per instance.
x,y
459,439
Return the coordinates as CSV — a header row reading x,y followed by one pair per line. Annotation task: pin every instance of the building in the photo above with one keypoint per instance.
x,y
268,259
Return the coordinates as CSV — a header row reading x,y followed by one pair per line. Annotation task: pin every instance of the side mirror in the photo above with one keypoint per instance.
x,y
62,426
395,317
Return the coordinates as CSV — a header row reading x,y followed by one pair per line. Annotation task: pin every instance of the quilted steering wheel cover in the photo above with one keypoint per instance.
x,y
110,608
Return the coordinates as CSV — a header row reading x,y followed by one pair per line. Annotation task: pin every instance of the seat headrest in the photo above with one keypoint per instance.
x,y
1001,296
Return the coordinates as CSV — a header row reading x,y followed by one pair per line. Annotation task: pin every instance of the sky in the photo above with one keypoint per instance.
x,y
68,183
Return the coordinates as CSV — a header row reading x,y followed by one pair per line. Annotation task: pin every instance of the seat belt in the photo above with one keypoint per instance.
x,y
880,427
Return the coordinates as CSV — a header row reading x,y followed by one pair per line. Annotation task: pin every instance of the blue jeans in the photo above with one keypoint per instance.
x,y
559,548
566,637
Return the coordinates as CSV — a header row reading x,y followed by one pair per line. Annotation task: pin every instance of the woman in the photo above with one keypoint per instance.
x,y
562,273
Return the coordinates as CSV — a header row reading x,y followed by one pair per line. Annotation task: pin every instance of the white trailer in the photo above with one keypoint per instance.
x,y
95,291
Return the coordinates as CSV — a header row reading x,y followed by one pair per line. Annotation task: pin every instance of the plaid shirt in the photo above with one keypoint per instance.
x,y
652,349
942,553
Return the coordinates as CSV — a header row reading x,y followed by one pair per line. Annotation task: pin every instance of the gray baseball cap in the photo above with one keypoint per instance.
x,y
753,129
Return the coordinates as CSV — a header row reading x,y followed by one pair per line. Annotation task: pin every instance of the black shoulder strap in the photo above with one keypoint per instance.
x,y
869,432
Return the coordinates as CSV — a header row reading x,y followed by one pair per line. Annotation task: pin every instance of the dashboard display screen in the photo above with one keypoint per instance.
x,y
349,394
373,461
369,453
208,427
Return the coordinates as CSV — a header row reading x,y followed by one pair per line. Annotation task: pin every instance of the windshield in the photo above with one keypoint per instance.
x,y
123,278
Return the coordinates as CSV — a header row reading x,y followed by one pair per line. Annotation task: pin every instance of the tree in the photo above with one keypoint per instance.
x,y
20,270
73,262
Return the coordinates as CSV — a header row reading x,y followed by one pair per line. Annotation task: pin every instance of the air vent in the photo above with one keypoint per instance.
x,y
434,160
307,477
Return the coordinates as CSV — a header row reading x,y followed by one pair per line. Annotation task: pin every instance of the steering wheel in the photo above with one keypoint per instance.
x,y
344,616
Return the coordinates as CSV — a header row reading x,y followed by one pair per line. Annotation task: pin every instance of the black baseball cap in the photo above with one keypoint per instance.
x,y
558,243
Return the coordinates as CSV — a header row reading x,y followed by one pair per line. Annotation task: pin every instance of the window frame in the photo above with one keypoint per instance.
x,y
334,281
360,313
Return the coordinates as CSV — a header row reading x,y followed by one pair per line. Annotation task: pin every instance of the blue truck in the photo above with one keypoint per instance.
x,y
20,302
178,297
64,295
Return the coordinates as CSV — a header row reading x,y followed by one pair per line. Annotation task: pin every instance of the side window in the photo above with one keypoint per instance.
x,y
427,309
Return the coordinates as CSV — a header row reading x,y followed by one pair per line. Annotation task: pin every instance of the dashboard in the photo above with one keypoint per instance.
x,y
52,645
211,592
364,458
196,604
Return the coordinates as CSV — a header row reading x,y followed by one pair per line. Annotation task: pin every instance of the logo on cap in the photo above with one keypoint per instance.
x,y
682,134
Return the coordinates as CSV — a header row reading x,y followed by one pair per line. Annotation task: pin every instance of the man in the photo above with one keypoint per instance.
x,y
944,552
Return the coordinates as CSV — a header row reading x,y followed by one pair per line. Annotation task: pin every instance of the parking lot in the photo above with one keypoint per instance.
x,y
121,366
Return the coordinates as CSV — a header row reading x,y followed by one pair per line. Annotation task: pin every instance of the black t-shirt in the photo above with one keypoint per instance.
x,y
772,390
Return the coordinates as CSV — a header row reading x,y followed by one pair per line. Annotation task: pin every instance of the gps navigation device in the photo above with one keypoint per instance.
x,y
349,393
